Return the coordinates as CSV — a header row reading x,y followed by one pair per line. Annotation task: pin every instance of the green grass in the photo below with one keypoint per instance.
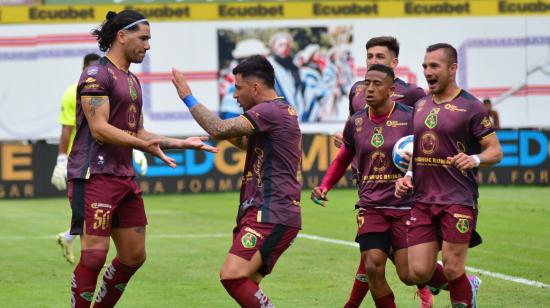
x,y
182,271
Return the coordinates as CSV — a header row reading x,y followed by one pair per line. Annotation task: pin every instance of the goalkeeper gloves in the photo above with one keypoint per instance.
x,y
140,160
59,176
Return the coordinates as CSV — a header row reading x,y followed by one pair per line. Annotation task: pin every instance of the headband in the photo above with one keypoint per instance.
x,y
134,23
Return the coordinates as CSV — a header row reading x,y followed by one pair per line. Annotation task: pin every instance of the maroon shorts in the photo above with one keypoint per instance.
x,y
271,240
434,222
380,220
104,202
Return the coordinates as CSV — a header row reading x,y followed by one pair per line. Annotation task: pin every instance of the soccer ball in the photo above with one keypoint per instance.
x,y
405,144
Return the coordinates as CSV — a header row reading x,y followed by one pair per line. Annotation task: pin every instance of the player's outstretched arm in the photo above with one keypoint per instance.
x,y
211,123
196,143
96,111
335,171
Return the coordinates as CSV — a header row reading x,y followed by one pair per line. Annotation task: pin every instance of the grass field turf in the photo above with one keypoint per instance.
x,y
189,235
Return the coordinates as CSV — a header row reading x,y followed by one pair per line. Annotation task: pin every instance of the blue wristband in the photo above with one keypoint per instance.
x,y
190,101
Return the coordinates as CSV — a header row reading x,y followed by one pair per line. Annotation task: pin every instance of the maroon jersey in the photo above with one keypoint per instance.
x,y
372,144
404,93
443,130
124,92
272,167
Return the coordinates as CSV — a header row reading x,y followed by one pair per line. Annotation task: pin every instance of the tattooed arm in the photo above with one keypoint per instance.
x,y
96,111
218,128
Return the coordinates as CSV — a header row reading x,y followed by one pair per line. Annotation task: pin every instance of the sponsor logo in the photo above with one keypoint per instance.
x,y
377,139
462,225
320,9
428,142
444,8
358,124
458,216
518,7
92,70
391,123
486,122
97,205
259,10
162,11
256,233
452,107
249,240
43,13
90,80
132,116
112,73
292,111
91,86
258,165
420,104
379,161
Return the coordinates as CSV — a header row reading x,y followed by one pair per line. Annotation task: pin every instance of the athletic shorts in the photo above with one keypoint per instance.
x,y
381,228
435,222
104,202
271,240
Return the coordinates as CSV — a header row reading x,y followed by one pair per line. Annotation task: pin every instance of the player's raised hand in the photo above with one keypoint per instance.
x,y
403,186
153,147
463,161
179,81
198,144
319,196
338,139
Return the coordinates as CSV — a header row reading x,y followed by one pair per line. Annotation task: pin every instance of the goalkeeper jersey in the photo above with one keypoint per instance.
x,y
68,112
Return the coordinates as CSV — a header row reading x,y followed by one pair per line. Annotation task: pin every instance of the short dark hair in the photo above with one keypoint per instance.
x,y
387,41
384,69
449,50
90,57
257,66
487,101
114,22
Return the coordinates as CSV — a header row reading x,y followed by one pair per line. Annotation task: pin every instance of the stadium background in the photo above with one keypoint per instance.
x,y
505,56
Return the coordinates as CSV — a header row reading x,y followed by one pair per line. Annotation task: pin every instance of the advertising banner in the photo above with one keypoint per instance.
x,y
503,46
25,170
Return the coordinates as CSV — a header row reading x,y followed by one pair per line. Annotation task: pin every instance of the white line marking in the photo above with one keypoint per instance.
x,y
524,281
520,280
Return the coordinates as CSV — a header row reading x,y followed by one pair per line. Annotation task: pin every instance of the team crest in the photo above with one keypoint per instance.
x,y
88,296
249,240
121,287
431,119
358,124
133,91
377,140
462,225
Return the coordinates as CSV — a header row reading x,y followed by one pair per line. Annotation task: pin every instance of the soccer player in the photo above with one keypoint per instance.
x,y
269,215
369,137
105,198
493,114
67,119
380,50
453,136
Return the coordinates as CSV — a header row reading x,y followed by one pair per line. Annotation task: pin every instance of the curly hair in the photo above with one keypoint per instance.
x,y
114,22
